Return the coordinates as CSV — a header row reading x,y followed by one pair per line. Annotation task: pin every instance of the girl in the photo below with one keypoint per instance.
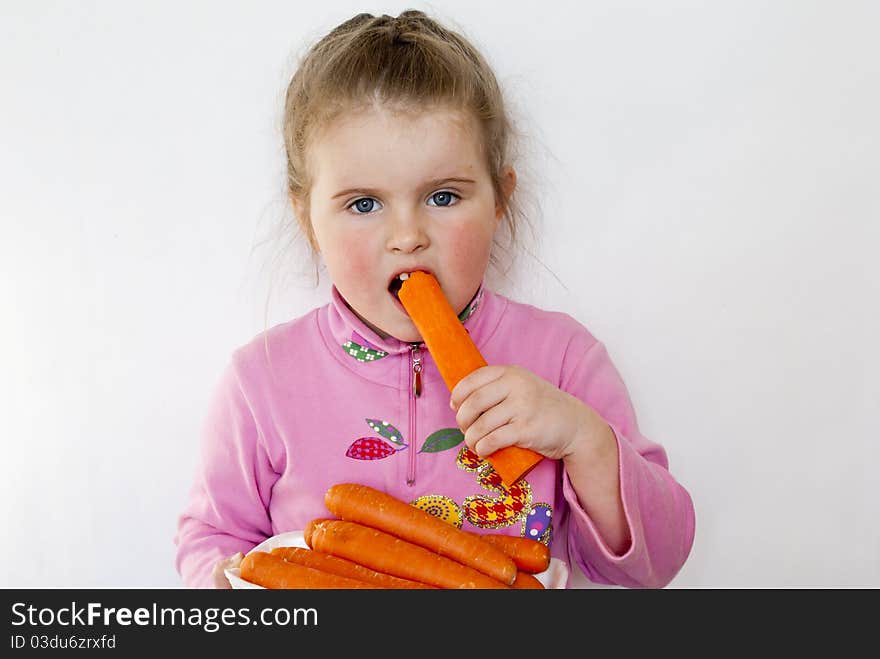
x,y
397,143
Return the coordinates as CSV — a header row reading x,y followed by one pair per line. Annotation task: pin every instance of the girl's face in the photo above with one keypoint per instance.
x,y
396,192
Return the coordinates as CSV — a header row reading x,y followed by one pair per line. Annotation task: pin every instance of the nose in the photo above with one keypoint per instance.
x,y
407,234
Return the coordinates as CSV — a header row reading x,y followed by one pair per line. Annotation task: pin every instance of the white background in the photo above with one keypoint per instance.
x,y
708,180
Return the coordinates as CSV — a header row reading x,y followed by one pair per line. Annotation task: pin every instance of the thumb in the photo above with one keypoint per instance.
x,y
219,576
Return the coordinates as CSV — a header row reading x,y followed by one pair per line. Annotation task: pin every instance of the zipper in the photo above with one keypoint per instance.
x,y
415,358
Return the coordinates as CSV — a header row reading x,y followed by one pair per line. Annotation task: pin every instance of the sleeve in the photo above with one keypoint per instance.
x,y
227,508
658,509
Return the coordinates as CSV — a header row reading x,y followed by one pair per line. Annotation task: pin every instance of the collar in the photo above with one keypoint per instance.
x,y
358,347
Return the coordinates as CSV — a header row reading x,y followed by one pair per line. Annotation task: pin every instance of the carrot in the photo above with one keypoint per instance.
x,y
309,527
377,509
270,571
343,567
524,581
528,554
386,553
457,356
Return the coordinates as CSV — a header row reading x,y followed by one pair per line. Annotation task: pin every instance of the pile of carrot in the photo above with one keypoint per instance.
x,y
375,540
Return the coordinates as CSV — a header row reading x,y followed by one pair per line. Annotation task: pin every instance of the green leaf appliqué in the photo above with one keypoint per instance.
x,y
443,439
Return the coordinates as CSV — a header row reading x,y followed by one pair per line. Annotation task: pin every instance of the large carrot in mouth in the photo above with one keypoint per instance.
x,y
371,507
456,356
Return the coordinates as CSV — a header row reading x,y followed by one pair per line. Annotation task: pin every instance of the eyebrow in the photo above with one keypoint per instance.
x,y
430,184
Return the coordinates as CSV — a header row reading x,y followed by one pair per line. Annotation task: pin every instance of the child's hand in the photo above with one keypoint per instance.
x,y
497,406
220,580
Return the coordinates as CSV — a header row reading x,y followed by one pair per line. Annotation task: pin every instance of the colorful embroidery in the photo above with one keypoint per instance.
x,y
441,507
488,512
387,431
442,440
373,448
370,448
538,523
362,353
514,505
470,461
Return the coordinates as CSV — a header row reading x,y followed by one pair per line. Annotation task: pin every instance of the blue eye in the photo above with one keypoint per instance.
x,y
363,205
366,205
444,198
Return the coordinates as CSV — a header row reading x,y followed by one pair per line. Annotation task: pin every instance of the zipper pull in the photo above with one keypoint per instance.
x,y
417,370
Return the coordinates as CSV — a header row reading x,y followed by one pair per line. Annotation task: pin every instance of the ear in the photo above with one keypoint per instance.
x,y
508,185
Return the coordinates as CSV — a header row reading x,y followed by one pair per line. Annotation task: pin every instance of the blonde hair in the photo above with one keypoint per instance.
x,y
409,62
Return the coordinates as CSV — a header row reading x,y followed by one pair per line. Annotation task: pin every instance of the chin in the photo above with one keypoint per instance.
x,y
407,336
406,332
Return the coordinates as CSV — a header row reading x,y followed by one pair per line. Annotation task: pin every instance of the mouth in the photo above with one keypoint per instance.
x,y
397,282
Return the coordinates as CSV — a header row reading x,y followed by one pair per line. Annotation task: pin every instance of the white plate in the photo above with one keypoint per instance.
x,y
554,576
290,539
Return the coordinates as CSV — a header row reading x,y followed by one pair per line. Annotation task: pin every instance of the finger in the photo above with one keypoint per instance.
x,y
472,381
480,401
219,576
220,567
501,437
488,422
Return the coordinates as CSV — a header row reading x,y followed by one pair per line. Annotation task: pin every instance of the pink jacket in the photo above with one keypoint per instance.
x,y
321,399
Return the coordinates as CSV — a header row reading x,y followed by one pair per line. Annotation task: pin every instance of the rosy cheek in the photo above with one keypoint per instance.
x,y
348,260
469,252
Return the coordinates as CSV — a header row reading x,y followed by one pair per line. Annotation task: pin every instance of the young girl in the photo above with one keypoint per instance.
x,y
397,142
